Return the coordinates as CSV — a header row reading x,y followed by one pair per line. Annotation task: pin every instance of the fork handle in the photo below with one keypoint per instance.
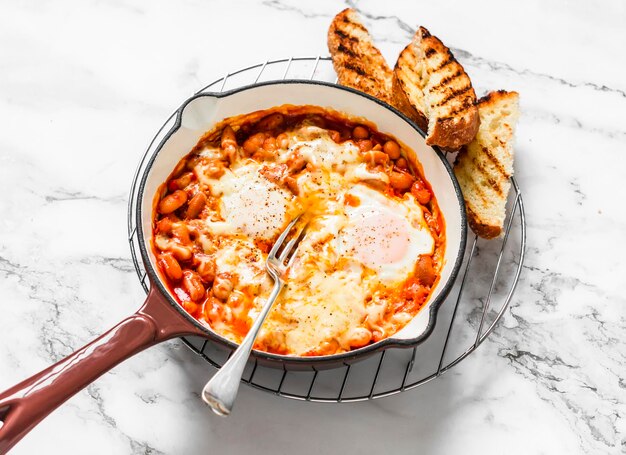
x,y
221,390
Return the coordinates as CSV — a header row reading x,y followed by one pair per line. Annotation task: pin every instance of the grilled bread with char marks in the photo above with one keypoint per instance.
x,y
484,166
432,89
358,63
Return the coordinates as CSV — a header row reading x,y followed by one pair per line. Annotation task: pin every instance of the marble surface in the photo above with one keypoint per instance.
x,y
85,85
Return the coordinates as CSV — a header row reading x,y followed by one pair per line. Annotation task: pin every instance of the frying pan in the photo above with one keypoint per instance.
x,y
161,317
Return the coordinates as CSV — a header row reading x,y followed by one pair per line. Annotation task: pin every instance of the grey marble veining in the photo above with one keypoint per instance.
x,y
85,85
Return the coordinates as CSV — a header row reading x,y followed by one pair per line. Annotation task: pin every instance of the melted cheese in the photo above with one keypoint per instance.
x,y
324,153
361,173
321,307
239,257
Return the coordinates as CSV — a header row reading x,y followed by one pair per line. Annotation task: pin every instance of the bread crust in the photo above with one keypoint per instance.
x,y
399,90
493,98
358,63
453,132
486,186
449,105
481,229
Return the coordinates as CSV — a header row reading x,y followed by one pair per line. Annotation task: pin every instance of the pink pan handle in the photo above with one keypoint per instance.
x,y
26,404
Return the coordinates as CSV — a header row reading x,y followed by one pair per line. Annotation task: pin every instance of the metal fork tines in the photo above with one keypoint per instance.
x,y
279,257
220,392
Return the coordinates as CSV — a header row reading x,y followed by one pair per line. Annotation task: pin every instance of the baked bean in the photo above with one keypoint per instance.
x,y
172,202
223,286
296,163
214,169
335,136
392,149
205,266
164,225
292,184
420,192
254,143
271,122
208,246
212,309
424,271
401,163
282,141
360,132
181,232
359,337
433,223
262,155
181,182
227,314
378,334
193,285
237,302
325,347
400,180
374,157
377,147
365,145
273,173
196,204
180,252
415,292
269,144
191,307
229,140
162,242
171,266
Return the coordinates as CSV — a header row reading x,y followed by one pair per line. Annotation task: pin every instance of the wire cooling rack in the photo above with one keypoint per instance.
x,y
481,295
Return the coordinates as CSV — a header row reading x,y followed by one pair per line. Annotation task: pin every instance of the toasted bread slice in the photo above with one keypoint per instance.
x,y
358,63
432,89
484,166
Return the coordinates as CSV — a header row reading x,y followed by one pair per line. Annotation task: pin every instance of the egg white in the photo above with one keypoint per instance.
x,y
251,204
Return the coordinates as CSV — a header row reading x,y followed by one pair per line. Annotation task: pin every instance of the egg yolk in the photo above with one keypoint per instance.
x,y
376,237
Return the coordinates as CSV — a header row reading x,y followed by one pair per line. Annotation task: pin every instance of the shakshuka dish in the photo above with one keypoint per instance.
x,y
371,255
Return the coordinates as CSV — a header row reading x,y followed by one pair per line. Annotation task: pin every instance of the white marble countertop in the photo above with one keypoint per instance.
x,y
85,85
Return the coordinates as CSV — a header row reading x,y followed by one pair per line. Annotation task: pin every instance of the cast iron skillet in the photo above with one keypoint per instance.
x,y
161,318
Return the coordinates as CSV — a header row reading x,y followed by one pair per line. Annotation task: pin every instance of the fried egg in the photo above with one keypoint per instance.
x,y
384,234
251,204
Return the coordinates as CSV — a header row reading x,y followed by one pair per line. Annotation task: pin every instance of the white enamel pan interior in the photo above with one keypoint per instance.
x,y
200,113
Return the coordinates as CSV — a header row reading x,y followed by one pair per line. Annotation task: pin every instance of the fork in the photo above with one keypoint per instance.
x,y
220,392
